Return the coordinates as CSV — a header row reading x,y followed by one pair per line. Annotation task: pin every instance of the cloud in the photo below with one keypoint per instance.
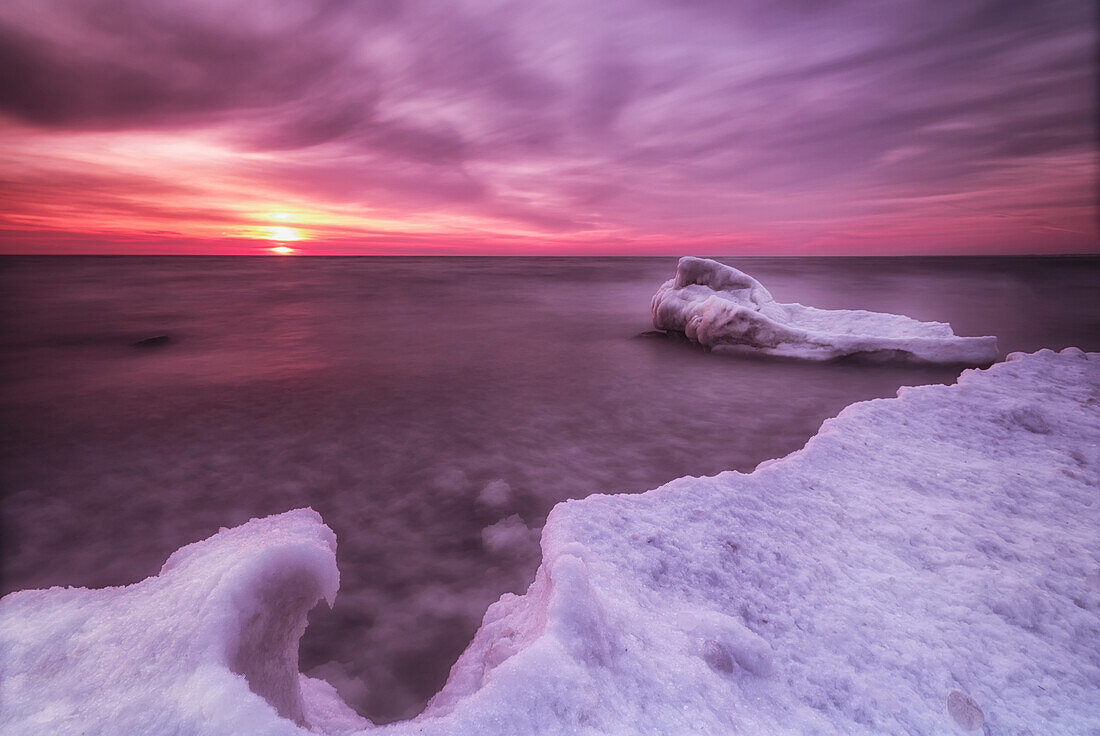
x,y
129,64
649,116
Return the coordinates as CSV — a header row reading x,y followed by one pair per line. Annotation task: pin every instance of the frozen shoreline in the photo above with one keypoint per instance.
x,y
920,559
722,308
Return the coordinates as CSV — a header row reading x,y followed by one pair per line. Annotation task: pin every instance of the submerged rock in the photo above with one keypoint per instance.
x,y
156,341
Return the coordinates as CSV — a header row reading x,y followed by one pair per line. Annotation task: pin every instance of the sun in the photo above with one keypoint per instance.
x,y
281,237
282,234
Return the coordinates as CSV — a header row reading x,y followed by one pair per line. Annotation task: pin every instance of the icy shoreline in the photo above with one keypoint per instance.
x,y
722,308
925,564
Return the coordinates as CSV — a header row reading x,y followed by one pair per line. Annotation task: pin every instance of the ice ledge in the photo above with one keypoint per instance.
x,y
720,307
210,645
925,565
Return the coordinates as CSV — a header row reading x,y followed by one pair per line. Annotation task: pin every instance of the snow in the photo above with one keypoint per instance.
x,y
210,645
722,308
927,564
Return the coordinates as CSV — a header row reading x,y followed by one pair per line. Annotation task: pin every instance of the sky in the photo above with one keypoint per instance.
x,y
712,127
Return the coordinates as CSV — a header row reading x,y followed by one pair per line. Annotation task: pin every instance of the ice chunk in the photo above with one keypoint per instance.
x,y
720,307
210,645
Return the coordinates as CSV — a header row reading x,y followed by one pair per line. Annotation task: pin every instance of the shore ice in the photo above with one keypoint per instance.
x,y
925,565
722,308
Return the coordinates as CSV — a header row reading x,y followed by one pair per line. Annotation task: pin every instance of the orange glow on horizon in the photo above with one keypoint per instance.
x,y
282,250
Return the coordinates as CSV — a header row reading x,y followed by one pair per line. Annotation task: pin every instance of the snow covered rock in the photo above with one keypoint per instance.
x,y
925,565
720,307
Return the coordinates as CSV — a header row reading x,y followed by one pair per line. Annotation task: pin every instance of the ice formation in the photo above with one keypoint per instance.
x,y
925,565
722,308
210,645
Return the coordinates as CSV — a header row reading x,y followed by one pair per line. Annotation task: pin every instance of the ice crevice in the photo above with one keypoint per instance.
x,y
924,565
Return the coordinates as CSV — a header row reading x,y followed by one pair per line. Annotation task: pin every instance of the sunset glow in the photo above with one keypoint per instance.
x,y
282,234
282,250
664,128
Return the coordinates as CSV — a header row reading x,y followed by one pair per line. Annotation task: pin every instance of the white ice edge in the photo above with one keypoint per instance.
x,y
720,307
925,564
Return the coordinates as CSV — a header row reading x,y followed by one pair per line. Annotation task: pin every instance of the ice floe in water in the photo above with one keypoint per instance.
x,y
722,308
925,565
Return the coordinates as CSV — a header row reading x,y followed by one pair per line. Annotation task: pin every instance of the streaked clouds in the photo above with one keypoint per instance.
x,y
632,126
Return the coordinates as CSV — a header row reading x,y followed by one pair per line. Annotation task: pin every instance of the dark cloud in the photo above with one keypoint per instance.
x,y
130,64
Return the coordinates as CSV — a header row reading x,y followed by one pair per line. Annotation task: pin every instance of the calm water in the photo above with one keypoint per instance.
x,y
387,393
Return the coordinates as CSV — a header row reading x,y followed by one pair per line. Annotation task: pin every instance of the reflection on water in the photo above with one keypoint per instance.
x,y
433,410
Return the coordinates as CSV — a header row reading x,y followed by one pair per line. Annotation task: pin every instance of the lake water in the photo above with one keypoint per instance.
x,y
389,393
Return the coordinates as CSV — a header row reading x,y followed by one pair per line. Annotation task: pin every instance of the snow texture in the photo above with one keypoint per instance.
x,y
925,565
210,645
722,308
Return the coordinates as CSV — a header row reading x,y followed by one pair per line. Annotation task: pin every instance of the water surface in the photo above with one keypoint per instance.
x,y
388,393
